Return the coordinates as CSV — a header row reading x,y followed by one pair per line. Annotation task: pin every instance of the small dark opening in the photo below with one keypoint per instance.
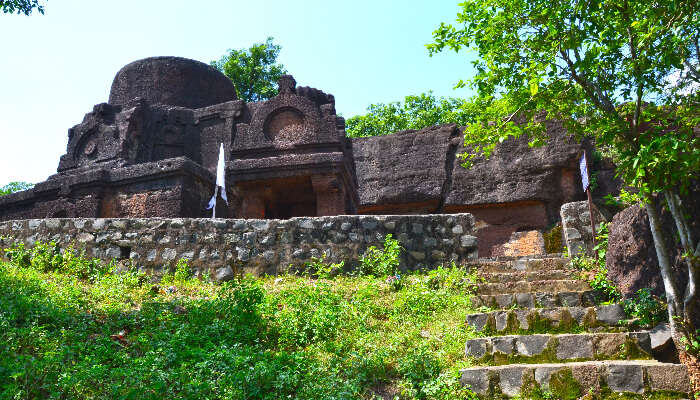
x,y
124,252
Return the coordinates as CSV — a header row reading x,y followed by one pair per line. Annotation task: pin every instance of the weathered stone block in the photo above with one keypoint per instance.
x,y
511,379
475,379
625,378
575,346
477,347
610,314
532,345
503,344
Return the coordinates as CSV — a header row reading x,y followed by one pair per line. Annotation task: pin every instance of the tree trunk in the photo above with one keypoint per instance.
x,y
691,303
672,298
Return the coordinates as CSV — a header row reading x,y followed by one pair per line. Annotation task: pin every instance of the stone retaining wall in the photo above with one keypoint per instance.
x,y
223,247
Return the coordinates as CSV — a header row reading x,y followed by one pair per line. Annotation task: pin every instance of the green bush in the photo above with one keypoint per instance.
x,y
600,279
48,257
319,268
376,262
647,308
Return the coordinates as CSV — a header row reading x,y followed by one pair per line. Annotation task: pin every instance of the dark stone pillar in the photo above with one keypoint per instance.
x,y
330,195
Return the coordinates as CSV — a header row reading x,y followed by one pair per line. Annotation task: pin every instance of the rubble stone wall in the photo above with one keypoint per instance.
x,y
223,247
576,225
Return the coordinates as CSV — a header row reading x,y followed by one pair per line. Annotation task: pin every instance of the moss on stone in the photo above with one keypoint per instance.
x,y
553,242
563,385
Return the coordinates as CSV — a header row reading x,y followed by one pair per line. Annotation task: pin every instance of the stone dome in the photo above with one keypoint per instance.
x,y
173,81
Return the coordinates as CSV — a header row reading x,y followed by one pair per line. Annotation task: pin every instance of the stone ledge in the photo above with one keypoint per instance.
x,y
585,298
560,319
500,350
639,376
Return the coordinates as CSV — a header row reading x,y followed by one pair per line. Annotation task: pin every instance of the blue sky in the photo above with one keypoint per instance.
x,y
56,66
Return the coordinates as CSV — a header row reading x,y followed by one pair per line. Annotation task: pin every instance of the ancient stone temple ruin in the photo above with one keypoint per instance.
x,y
151,151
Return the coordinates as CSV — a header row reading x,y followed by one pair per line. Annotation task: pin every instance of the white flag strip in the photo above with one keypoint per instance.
x,y
220,180
584,172
221,173
212,201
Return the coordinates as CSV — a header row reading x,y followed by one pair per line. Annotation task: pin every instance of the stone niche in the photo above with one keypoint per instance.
x,y
292,159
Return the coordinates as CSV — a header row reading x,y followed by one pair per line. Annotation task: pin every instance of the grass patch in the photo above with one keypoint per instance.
x,y
74,328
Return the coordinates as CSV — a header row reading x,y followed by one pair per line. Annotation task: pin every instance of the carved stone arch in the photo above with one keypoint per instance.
x,y
284,121
87,147
285,126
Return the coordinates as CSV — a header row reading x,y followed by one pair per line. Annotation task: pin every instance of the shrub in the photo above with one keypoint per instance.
x,y
376,262
48,257
321,269
649,309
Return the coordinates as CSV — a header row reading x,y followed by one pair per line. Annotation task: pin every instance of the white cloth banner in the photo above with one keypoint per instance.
x,y
584,172
220,179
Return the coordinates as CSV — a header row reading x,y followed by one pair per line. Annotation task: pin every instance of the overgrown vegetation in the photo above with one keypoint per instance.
x,y
376,262
647,309
594,268
71,327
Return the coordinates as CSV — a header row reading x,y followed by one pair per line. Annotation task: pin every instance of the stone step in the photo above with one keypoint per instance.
x,y
549,286
520,265
585,298
500,350
574,380
529,276
557,319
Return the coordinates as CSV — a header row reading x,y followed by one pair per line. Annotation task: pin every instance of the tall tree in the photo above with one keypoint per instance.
x,y
415,112
253,71
621,71
20,6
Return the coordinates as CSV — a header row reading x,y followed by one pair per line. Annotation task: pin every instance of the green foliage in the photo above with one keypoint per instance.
x,y
321,269
114,336
253,71
20,6
376,262
599,281
606,69
181,276
692,343
625,74
416,112
48,257
647,308
624,199
13,187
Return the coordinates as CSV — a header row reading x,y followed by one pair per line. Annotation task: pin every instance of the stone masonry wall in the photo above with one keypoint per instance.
x,y
223,247
576,225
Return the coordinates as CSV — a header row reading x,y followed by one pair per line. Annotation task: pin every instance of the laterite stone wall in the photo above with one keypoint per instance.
x,y
223,247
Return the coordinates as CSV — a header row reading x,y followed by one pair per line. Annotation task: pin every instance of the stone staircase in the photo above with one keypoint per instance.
x,y
546,335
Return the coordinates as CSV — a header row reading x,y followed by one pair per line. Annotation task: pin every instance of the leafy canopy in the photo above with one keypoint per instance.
x,y
13,187
20,6
416,112
606,68
254,71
